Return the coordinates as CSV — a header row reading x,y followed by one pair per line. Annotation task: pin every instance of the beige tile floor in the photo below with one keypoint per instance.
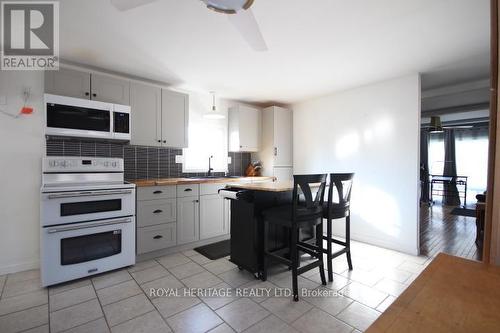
x,y
119,301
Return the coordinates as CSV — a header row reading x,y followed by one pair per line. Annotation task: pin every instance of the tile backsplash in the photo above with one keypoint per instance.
x,y
140,162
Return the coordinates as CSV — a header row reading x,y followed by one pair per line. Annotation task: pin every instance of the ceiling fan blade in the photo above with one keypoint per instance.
x,y
123,5
244,21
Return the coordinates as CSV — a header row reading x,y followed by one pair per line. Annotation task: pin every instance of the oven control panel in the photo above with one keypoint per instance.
x,y
82,164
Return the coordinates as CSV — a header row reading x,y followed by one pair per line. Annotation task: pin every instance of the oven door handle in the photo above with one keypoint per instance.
x,y
87,194
88,225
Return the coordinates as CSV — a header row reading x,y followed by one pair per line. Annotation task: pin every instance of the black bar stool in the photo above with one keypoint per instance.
x,y
303,212
337,208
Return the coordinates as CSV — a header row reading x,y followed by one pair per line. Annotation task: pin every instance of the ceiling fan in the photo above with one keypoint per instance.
x,y
238,12
435,126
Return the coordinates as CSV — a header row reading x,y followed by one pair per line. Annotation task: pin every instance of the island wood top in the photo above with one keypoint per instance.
x,y
264,186
187,181
451,295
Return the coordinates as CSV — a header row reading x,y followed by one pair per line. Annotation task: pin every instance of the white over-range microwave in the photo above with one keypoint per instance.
x,y
75,117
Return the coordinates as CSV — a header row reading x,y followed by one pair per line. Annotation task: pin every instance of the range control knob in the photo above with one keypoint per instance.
x,y
114,164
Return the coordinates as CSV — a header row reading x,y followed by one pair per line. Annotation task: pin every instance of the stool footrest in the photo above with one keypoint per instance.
x,y
278,258
308,267
335,241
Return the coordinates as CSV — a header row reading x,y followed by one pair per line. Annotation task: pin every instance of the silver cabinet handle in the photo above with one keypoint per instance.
x,y
87,194
88,225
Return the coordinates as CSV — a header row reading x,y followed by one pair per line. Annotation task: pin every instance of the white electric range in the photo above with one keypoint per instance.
x,y
87,218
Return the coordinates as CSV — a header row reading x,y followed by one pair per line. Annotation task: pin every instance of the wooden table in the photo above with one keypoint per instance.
x,y
451,295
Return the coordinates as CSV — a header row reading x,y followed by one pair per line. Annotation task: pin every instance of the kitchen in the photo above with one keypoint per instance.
x,y
137,176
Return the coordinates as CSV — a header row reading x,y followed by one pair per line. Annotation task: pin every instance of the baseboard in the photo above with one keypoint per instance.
x,y
390,245
19,267
180,248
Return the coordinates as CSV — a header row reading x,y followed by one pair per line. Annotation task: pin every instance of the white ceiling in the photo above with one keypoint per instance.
x,y
315,47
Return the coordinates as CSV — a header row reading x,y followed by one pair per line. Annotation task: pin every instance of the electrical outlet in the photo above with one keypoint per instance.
x,y
179,159
3,100
229,160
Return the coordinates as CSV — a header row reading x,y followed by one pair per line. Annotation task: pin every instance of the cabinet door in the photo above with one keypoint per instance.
x,y
174,118
68,82
145,104
188,220
212,221
109,89
249,128
283,129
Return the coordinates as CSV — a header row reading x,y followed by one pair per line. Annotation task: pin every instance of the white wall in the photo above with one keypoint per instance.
x,y
374,132
22,145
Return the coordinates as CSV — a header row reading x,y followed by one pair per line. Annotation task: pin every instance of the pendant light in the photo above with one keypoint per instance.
x,y
214,114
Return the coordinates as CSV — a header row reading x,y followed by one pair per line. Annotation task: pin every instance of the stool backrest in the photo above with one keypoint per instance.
x,y
303,183
342,183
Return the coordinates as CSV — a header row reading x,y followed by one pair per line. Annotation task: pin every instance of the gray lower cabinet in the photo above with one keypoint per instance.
x,y
213,217
156,237
156,218
188,220
153,212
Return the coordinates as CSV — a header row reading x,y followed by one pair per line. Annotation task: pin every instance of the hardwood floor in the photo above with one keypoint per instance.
x,y
442,232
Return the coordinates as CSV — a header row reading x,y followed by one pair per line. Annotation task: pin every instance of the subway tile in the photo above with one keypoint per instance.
x,y
153,163
116,150
71,148
88,148
102,149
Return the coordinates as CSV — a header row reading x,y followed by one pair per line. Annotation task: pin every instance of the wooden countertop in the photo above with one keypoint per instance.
x,y
451,295
185,181
265,186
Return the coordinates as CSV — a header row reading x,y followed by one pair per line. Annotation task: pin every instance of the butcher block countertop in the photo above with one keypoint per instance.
x,y
264,186
186,181
451,295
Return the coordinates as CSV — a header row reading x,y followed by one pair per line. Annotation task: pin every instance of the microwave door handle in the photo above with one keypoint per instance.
x,y
88,225
87,194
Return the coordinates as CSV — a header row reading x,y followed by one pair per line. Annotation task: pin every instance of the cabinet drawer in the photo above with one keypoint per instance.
x,y
156,238
156,212
192,190
155,192
211,188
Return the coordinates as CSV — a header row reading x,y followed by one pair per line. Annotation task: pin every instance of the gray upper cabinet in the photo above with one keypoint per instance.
x,y
80,84
68,82
110,89
145,102
175,117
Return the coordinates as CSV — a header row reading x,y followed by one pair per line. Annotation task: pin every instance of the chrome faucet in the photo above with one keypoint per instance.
x,y
210,169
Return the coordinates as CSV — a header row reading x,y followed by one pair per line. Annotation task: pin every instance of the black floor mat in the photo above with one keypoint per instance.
x,y
215,250
464,212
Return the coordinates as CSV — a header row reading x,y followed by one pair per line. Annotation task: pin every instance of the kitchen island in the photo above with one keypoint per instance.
x,y
249,201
